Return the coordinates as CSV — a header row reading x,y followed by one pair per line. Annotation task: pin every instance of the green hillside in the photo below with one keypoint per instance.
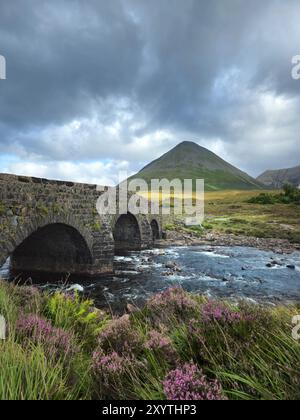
x,y
188,160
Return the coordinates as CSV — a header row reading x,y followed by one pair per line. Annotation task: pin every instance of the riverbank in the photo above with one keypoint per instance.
x,y
178,346
234,218
190,237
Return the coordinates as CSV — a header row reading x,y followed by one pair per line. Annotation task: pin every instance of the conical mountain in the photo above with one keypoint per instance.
x,y
188,160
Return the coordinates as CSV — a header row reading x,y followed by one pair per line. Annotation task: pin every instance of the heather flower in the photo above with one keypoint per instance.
x,y
160,343
214,311
57,342
120,337
189,383
172,302
111,364
112,372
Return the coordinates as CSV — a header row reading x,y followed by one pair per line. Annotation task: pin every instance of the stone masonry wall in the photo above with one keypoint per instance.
x,y
28,204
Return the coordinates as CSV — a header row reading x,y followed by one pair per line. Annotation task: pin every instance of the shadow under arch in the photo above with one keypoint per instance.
x,y
54,247
155,230
127,234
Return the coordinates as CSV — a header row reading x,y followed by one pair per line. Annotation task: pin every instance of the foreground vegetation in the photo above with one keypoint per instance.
x,y
179,346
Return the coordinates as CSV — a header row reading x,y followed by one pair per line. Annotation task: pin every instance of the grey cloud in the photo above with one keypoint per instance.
x,y
127,69
62,55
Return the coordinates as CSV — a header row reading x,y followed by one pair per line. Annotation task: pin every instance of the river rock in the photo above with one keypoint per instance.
x,y
291,266
167,273
276,262
173,266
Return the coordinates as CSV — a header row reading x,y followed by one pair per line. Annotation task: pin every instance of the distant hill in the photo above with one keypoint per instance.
x,y
277,178
188,160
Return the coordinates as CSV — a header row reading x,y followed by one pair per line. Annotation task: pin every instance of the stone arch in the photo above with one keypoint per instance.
x,y
127,233
155,230
40,236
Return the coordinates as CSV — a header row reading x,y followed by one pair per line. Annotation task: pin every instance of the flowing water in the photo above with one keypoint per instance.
x,y
226,272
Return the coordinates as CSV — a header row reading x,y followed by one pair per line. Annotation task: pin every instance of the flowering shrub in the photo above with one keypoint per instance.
x,y
57,342
111,372
189,383
172,302
161,344
108,365
120,337
214,311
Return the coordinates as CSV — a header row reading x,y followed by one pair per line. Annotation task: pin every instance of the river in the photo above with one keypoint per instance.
x,y
226,272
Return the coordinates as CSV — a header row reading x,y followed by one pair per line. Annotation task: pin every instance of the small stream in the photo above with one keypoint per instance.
x,y
226,272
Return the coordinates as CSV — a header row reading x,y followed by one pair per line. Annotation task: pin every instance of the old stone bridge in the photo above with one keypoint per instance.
x,y
53,226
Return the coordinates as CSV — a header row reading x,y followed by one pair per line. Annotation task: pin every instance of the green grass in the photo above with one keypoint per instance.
x,y
235,213
239,213
254,357
214,180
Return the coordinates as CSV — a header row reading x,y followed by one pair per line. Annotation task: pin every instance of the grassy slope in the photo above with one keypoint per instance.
x,y
214,180
229,212
191,161
247,349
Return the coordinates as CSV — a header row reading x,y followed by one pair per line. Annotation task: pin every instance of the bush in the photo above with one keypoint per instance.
x,y
290,190
121,337
112,374
69,311
161,345
263,198
169,304
189,383
57,343
290,195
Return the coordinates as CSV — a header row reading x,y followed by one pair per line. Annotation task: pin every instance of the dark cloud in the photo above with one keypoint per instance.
x,y
127,79
62,55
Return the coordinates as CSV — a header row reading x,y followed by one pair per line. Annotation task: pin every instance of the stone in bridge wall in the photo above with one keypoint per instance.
x,y
28,204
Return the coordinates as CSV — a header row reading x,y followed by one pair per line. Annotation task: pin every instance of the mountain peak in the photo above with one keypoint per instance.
x,y
188,145
188,160
277,178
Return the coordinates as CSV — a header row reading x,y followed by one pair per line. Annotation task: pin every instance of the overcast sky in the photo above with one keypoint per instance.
x,y
97,86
